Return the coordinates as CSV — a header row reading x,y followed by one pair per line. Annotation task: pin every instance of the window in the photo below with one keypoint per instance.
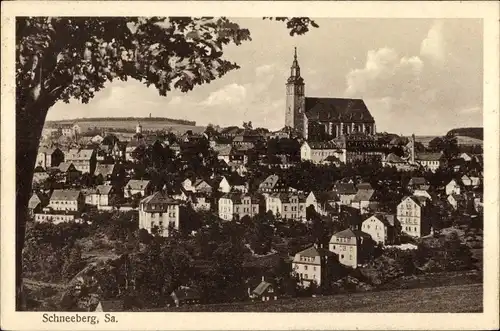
x,y
314,268
305,267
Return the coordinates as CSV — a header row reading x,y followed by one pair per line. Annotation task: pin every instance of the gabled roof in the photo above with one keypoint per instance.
x,y
223,149
104,189
269,182
261,288
337,109
322,144
65,166
104,169
417,181
363,195
418,199
314,251
112,305
349,233
393,158
67,195
364,186
137,184
157,202
34,201
387,219
344,188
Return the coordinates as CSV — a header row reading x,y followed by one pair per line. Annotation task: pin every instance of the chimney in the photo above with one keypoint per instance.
x,y
263,278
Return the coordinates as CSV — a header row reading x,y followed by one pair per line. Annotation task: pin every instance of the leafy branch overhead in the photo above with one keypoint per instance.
x,y
60,58
296,25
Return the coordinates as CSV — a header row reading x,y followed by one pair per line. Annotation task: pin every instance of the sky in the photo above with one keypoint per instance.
x,y
422,76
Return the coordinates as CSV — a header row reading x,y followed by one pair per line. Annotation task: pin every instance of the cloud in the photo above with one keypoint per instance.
x,y
433,46
229,94
264,69
385,74
176,100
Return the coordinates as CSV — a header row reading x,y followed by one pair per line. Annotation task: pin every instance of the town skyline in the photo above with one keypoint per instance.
x,y
411,72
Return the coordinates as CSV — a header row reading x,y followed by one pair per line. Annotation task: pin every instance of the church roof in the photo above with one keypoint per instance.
x,y
337,109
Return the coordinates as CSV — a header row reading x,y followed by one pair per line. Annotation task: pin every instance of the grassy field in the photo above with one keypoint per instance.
x,y
446,299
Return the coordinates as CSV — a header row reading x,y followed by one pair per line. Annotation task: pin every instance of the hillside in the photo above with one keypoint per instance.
x,y
476,133
445,299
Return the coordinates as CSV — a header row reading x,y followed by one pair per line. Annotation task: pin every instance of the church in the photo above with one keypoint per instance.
x,y
323,118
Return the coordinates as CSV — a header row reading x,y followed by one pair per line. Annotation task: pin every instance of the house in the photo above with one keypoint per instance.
x,y
100,196
457,201
187,185
175,148
470,181
417,183
137,186
105,171
453,187
273,183
478,202
327,202
431,161
203,186
364,201
381,227
246,139
467,157
200,202
413,215
185,296
69,171
67,200
237,183
318,152
352,247
224,185
36,203
425,193
84,160
159,213
392,160
265,291
69,129
97,139
49,157
56,217
346,192
223,151
290,205
40,176
239,205
109,306
311,265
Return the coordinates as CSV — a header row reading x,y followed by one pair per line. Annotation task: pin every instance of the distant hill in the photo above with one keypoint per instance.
x,y
476,133
128,124
163,120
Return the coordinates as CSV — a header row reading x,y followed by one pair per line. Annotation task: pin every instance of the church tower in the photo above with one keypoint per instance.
x,y
295,100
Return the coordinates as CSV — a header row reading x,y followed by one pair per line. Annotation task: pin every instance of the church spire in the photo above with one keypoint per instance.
x,y
295,69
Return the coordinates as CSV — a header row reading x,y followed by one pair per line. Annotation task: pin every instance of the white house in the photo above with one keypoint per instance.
x,y
137,186
453,187
159,212
380,227
412,213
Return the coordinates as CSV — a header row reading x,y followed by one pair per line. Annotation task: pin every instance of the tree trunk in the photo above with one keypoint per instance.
x,y
29,125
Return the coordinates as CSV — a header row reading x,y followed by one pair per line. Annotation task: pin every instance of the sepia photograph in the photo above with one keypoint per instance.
x,y
285,164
